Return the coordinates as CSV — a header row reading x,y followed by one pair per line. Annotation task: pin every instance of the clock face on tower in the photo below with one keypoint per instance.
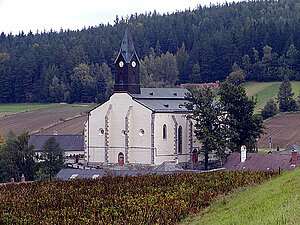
x,y
133,64
121,63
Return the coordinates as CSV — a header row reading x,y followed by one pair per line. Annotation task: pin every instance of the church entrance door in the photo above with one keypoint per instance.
x,y
121,159
195,156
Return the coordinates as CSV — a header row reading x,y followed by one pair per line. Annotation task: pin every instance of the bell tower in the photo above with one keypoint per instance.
x,y
127,66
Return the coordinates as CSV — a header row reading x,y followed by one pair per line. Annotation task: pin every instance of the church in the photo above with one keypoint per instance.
x,y
139,126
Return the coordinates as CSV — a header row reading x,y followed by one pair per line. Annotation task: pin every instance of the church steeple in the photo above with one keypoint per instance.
x,y
127,64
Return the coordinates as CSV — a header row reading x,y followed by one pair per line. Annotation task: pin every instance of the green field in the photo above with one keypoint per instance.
x,y
264,91
23,107
274,202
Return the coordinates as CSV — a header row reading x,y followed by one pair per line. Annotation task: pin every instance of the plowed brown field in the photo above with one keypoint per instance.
x,y
47,119
72,126
283,130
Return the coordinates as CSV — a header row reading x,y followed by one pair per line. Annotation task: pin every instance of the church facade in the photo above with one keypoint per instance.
x,y
144,126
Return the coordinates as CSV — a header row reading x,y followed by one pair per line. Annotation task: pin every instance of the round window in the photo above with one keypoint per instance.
x,y
123,132
141,132
101,131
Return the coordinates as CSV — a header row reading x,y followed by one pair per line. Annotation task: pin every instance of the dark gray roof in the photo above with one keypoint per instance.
x,y
161,93
127,49
258,161
67,173
66,142
164,105
162,99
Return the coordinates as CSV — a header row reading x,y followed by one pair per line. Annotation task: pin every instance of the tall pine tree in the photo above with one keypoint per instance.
x,y
285,96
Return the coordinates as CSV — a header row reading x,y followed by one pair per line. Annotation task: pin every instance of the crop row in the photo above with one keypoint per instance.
x,y
149,199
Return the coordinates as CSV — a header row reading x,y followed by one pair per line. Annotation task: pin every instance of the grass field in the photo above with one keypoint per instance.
x,y
23,107
264,91
274,202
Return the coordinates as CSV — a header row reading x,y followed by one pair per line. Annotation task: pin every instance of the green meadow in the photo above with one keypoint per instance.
x,y
263,91
23,107
274,202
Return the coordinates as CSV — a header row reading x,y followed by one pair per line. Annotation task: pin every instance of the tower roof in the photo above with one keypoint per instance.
x,y
127,48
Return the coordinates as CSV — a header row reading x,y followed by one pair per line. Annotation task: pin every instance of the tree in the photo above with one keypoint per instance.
x,y
159,71
167,69
183,64
109,79
17,157
246,62
195,77
237,76
57,90
269,110
245,127
101,88
269,64
285,96
83,85
52,158
289,63
210,121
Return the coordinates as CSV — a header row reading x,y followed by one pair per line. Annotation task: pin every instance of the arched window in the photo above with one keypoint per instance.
x,y
179,140
164,131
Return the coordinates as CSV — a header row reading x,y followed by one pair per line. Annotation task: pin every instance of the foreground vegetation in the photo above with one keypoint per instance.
x,y
274,202
150,199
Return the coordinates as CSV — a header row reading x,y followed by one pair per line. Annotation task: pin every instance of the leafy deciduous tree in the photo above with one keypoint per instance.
x,y
17,158
209,121
245,127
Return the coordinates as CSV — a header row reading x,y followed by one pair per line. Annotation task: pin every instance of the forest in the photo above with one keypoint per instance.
x,y
252,40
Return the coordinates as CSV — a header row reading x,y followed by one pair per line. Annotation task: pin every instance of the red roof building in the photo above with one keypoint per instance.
x,y
257,161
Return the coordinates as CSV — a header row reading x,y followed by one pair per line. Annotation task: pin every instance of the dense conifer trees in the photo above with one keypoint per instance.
x,y
262,37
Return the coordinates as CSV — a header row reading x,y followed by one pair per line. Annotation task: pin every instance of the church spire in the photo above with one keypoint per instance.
x,y
127,67
127,49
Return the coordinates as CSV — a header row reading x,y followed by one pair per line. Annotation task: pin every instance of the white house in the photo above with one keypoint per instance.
x,y
145,126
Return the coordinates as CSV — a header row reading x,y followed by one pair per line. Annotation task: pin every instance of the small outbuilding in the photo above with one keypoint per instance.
x,y
73,145
263,162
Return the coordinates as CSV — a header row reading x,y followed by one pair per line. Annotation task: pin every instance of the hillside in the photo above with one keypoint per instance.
x,y
274,202
283,129
264,91
200,45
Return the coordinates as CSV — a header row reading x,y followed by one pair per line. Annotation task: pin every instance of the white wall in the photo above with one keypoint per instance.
x,y
139,145
139,118
165,147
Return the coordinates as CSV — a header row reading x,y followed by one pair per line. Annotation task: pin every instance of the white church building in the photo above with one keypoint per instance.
x,y
145,126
